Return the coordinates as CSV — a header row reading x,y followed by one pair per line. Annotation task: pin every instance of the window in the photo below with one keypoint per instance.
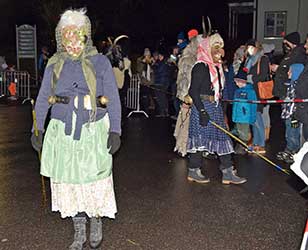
x,y
275,24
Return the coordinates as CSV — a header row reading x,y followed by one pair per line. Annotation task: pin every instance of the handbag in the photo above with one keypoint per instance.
x,y
265,88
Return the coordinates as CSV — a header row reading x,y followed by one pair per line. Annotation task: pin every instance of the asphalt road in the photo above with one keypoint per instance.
x,y
157,208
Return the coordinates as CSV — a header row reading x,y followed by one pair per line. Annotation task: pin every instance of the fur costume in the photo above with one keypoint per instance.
x,y
186,62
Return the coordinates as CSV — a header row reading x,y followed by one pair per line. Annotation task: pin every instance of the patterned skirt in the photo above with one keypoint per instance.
x,y
209,138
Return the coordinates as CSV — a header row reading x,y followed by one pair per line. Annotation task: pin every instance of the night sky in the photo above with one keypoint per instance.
x,y
146,22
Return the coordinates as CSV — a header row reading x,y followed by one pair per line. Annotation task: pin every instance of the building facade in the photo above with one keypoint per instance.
x,y
271,19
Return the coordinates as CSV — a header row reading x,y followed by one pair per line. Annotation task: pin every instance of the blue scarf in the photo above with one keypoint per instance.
x,y
253,60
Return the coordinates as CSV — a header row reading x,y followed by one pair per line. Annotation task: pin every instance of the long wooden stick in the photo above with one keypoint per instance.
x,y
250,149
43,185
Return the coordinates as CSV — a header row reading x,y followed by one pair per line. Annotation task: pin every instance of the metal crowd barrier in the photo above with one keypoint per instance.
x,y
20,78
133,96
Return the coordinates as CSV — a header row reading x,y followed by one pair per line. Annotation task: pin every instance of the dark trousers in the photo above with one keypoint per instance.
x,y
176,103
305,131
196,161
145,98
162,100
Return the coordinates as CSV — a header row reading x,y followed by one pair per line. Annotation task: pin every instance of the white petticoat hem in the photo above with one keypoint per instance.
x,y
95,198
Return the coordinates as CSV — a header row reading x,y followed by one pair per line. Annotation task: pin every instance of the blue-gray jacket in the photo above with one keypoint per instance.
x,y
72,83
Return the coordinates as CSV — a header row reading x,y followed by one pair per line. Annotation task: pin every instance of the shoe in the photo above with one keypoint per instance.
x,y
230,177
195,175
260,150
240,150
96,232
80,236
282,155
285,156
289,159
256,149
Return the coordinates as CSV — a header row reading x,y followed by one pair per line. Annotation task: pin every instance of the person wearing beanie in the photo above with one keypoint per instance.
x,y
192,33
182,42
84,131
243,113
292,131
293,54
293,38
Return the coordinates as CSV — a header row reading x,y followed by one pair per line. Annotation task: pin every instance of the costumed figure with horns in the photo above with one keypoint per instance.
x,y
207,83
185,65
84,130
119,61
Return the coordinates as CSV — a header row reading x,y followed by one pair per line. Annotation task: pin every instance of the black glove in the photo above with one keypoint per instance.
x,y
204,118
113,142
37,141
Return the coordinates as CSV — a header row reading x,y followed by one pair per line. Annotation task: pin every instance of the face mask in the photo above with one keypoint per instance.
x,y
286,48
74,40
250,50
217,54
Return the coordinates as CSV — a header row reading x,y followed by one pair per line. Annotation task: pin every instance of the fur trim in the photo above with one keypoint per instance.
x,y
216,40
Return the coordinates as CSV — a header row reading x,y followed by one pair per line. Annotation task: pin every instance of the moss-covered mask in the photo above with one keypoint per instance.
x,y
74,40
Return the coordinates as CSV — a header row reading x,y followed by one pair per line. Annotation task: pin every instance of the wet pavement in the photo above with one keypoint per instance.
x,y
157,208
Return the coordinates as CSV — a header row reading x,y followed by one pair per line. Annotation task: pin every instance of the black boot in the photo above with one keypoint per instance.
x,y
80,236
96,232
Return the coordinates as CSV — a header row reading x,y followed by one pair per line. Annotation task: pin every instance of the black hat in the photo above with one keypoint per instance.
x,y
241,75
252,42
293,37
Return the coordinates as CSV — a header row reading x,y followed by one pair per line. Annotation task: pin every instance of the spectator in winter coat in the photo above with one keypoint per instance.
x,y
43,59
268,50
145,72
301,91
161,77
292,132
230,72
257,66
243,113
173,69
182,42
293,54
